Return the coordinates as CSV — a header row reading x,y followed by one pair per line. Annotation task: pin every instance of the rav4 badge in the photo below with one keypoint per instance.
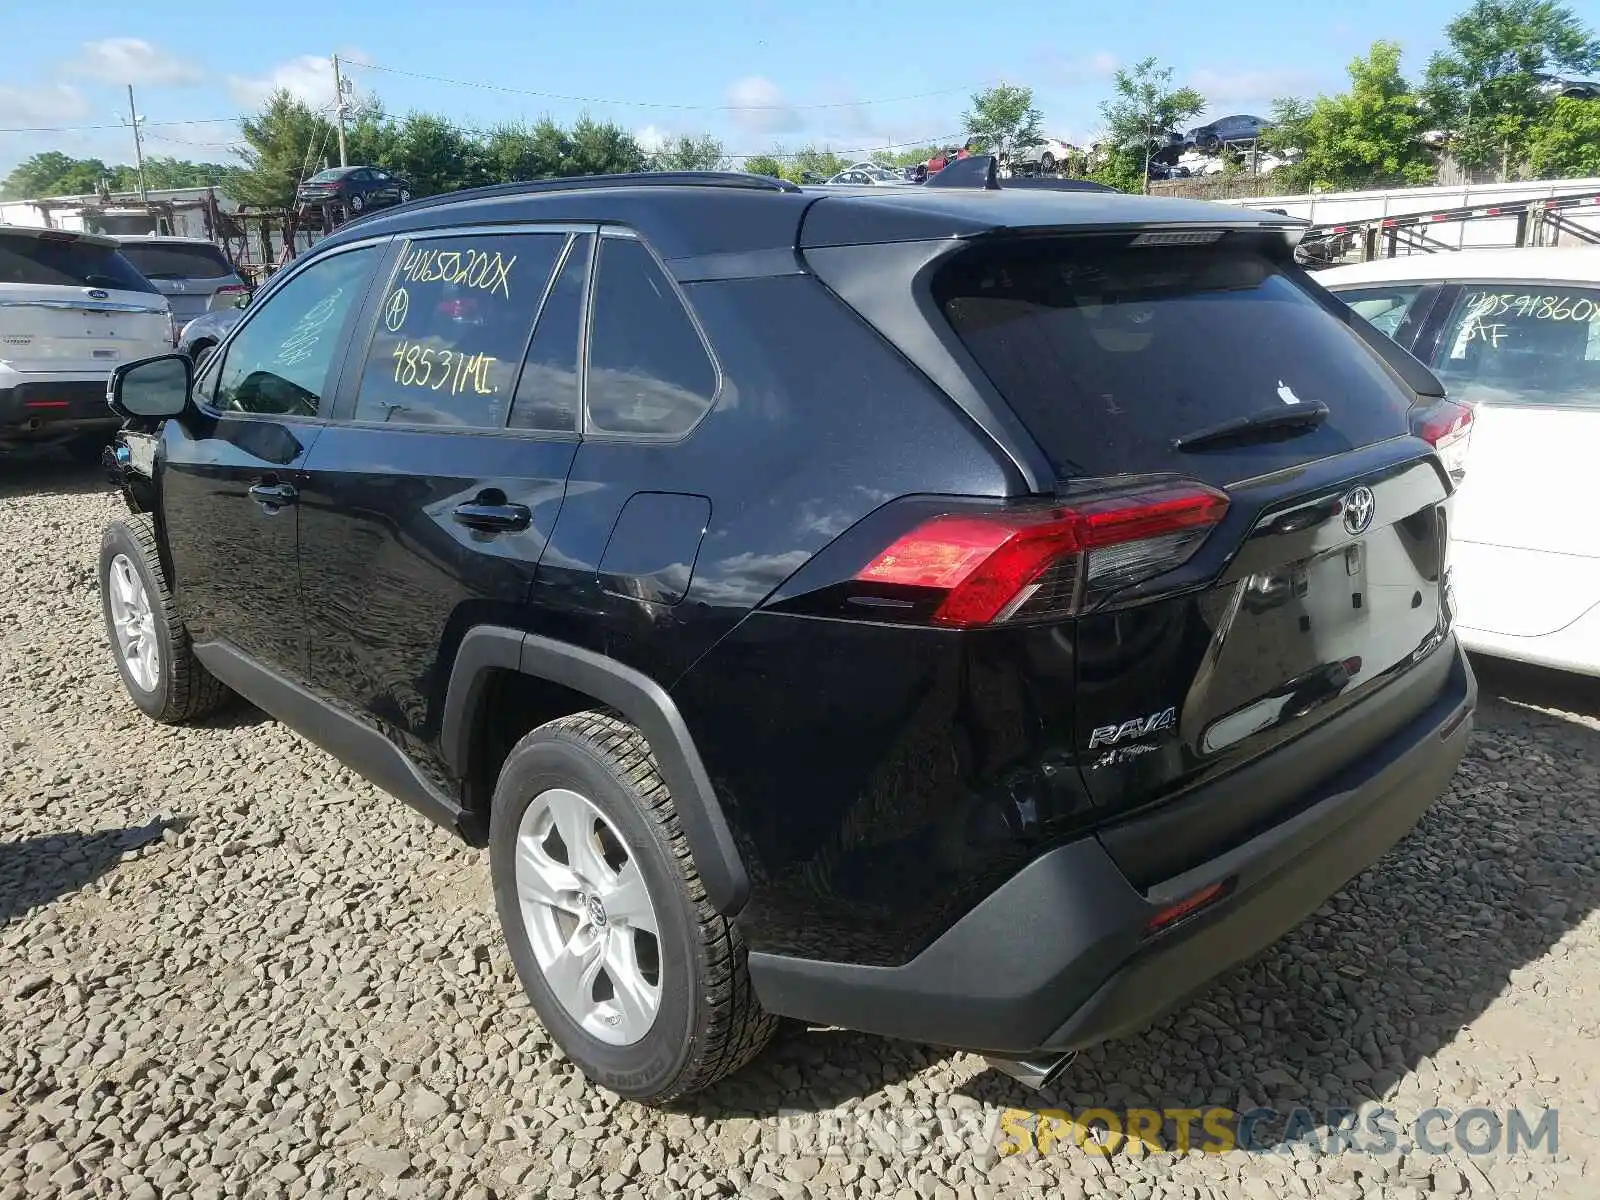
x,y
1156,722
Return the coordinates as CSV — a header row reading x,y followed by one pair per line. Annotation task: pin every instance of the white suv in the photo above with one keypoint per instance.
x,y
71,308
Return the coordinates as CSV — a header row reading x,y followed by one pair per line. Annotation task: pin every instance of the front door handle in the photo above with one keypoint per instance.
x,y
272,495
494,518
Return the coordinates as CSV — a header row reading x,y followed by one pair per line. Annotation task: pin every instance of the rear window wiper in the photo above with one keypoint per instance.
x,y
1262,422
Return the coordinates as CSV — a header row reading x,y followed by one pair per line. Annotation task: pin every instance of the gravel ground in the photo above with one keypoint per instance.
x,y
230,968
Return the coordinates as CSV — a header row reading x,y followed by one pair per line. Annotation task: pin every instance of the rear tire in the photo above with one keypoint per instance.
x,y
682,1014
148,641
357,203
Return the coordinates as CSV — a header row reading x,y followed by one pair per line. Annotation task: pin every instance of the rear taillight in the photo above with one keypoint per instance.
x,y
1052,562
231,290
1447,427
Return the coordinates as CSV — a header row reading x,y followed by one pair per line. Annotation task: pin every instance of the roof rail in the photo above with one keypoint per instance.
x,y
715,179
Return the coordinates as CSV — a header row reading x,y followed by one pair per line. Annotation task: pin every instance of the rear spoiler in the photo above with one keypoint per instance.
x,y
982,171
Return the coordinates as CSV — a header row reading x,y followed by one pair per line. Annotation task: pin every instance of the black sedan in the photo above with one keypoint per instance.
x,y
352,190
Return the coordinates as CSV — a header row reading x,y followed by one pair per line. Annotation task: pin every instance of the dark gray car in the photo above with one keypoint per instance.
x,y
193,274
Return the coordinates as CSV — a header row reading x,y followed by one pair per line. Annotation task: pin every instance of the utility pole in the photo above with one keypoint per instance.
x,y
338,109
138,145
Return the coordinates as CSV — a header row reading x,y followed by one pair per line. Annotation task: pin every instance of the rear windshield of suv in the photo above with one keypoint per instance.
x,y
25,258
173,260
1107,353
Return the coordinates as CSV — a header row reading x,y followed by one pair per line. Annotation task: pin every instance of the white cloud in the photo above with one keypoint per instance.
x,y
41,105
651,138
759,108
1064,70
124,60
1248,91
308,78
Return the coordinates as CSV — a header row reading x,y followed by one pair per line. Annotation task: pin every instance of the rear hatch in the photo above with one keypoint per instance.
x,y
195,277
72,304
1263,537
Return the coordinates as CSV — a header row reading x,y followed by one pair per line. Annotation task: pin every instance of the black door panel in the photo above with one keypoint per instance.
x,y
393,576
422,515
233,469
233,557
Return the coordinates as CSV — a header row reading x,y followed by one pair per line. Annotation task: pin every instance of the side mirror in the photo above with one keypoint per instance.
x,y
244,300
151,387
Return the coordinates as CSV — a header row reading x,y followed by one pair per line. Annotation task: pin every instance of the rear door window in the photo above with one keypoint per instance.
x,y
173,260
1522,345
1107,353
549,392
453,327
65,260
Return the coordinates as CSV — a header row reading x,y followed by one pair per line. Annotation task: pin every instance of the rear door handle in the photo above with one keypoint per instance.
x,y
494,518
272,495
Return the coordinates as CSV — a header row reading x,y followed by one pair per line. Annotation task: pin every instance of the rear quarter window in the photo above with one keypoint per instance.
x,y
67,262
1522,345
1107,353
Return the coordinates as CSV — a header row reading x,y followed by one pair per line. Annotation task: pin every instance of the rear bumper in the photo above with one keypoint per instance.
x,y
1058,958
42,408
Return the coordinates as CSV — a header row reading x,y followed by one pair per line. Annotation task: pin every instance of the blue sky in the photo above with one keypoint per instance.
x,y
854,75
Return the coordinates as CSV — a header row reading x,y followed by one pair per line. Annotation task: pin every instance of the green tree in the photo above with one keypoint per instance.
x,y
690,153
435,156
53,173
1146,107
1368,135
1485,88
1567,142
910,156
601,148
1003,119
162,172
810,164
283,143
764,164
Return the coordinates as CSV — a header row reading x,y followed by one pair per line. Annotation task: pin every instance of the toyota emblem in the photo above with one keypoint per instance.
x,y
1359,505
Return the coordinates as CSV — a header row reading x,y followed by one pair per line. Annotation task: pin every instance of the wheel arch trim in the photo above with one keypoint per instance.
x,y
639,699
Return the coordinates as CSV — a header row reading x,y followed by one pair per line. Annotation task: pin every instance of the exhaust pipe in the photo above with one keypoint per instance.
x,y
1036,1074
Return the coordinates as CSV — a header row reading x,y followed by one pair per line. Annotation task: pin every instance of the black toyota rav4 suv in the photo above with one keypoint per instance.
x,y
976,615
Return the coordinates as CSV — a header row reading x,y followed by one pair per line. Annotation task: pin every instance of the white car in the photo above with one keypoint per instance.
x,y
1046,156
866,175
71,308
1514,335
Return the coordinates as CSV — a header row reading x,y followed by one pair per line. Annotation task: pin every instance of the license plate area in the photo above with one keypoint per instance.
x,y
1313,630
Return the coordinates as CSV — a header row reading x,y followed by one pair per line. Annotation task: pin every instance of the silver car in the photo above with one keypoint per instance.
x,y
194,275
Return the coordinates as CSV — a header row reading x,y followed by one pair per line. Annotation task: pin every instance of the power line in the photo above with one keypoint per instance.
x,y
513,91
82,128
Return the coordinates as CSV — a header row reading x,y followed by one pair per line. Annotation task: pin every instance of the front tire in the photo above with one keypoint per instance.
x,y
636,976
148,641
